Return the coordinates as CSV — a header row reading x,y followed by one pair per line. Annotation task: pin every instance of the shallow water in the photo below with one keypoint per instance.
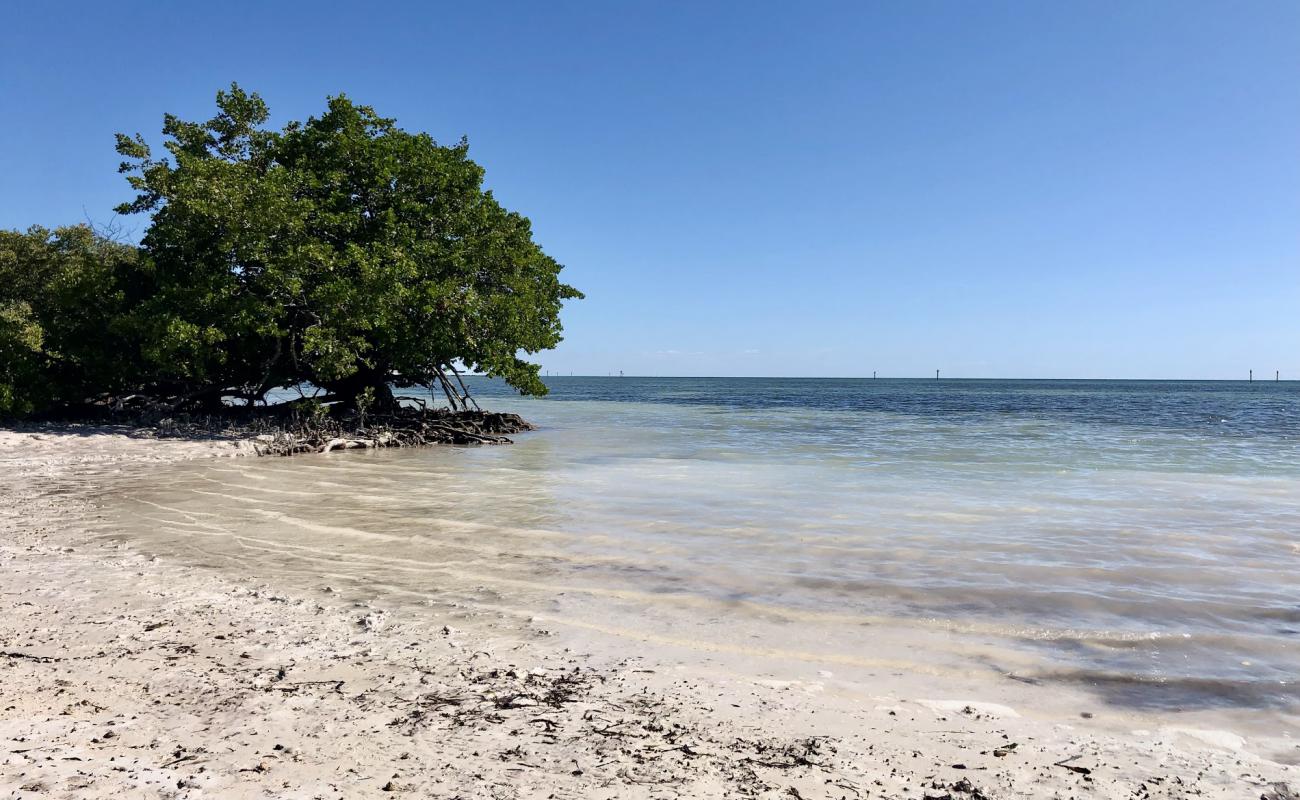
x,y
1141,539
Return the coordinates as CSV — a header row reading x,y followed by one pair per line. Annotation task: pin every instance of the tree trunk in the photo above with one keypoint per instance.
x,y
349,388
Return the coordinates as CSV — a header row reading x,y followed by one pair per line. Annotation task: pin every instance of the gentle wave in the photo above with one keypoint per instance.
x,y
1140,538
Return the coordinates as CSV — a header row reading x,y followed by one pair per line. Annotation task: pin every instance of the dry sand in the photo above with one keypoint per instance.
x,y
125,676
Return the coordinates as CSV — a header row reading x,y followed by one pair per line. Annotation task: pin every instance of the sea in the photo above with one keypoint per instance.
x,y
1137,540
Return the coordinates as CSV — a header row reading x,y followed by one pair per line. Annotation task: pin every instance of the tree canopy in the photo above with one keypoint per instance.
x,y
64,333
340,251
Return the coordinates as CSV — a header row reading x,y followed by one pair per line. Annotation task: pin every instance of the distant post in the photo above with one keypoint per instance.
x,y
936,374
1251,379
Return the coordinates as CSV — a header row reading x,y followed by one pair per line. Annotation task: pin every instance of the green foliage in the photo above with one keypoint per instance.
x,y
21,340
341,251
310,412
63,294
364,402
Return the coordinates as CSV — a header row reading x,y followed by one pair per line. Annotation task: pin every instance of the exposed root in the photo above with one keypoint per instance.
x,y
288,429
408,429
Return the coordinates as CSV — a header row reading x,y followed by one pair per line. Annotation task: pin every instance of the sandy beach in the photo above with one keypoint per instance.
x,y
859,401
125,675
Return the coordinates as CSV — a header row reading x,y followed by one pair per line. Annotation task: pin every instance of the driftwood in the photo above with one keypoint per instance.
x,y
410,428
289,428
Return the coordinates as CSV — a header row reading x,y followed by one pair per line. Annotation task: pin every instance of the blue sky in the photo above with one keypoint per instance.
x,y
1029,189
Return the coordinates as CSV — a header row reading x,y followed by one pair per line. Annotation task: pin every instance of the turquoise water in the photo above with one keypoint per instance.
x,y
1140,539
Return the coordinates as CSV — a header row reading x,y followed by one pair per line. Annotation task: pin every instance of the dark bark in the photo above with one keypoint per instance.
x,y
349,389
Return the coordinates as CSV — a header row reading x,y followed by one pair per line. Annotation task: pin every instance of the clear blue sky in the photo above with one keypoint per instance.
x,y
1038,189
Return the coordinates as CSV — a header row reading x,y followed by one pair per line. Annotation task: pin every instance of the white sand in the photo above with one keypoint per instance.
x,y
127,677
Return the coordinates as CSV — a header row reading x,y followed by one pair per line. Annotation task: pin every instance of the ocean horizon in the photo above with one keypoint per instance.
x,y
908,378
1023,523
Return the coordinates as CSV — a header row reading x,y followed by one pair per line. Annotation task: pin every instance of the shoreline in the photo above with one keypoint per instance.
x,y
122,673
283,430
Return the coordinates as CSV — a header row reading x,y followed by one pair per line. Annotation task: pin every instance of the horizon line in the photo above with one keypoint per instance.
x,y
941,378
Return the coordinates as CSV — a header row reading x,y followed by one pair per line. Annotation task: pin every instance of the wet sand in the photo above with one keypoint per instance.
x,y
121,674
